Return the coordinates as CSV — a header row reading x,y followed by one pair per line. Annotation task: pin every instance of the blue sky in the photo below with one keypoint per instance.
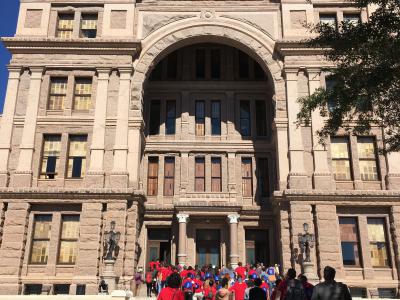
x,y
8,24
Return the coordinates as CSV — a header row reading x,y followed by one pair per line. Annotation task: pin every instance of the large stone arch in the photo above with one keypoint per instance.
x,y
240,35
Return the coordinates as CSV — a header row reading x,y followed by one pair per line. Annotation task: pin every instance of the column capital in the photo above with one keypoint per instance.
x,y
36,72
125,70
233,218
291,74
182,218
14,72
313,73
103,73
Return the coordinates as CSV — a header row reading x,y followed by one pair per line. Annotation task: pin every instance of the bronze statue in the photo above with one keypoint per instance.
x,y
111,239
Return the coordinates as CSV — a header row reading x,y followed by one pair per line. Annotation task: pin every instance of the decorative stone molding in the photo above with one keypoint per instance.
x,y
208,14
233,218
182,218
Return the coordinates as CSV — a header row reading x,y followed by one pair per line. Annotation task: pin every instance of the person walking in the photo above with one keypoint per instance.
x,y
308,287
239,288
291,288
149,281
223,293
257,293
330,289
172,289
138,277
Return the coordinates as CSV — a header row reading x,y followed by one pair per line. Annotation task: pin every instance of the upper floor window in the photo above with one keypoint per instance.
x,y
328,19
340,158
261,118
83,94
216,180
263,177
378,242
77,156
170,117
69,239
41,239
352,18
155,111
247,177
215,63
152,177
89,26
350,241
200,63
169,176
65,26
200,117
50,156
329,85
58,93
245,123
200,174
216,117
172,65
367,158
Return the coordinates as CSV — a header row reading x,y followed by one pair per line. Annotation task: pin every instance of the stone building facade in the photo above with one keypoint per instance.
x,y
177,120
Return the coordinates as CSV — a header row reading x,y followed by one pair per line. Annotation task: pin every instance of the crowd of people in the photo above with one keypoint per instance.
x,y
245,282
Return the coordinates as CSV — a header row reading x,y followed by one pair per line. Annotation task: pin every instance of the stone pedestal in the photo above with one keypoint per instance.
x,y
109,275
308,271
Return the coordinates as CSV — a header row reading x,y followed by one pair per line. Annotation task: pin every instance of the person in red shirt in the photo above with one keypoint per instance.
x,y
239,288
198,287
165,272
149,281
240,270
209,290
172,290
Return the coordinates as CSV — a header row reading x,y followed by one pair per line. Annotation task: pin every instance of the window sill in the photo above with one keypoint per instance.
x,y
74,179
70,266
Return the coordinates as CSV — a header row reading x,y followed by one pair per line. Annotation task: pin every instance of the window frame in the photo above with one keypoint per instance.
x,y
386,242
33,239
359,263
154,178
375,159
247,178
81,30
327,15
55,174
216,120
264,120
266,177
200,120
83,95
84,158
218,177
63,95
200,160
154,124
172,119
349,158
61,239
59,30
241,118
168,178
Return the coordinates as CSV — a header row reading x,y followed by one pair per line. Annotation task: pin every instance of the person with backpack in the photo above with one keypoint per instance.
x,y
291,288
257,293
330,289
149,281
172,289
308,287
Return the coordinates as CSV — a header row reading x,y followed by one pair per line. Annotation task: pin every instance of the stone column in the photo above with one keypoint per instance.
x,y
119,175
393,175
322,177
233,246
95,174
297,174
87,261
23,174
182,255
7,122
12,249
281,127
135,140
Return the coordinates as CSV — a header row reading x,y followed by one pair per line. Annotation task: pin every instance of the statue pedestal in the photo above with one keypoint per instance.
x,y
308,271
109,275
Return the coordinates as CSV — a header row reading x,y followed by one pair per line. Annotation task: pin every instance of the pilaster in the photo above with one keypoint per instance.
x,y
119,174
12,249
393,175
7,122
95,174
281,127
23,174
135,140
395,233
184,173
231,173
297,174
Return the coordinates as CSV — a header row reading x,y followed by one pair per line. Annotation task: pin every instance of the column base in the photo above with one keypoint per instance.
x,y
119,180
393,181
182,259
94,180
298,181
323,181
4,179
234,260
21,179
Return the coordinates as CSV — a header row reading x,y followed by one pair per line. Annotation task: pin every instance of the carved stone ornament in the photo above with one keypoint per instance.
x,y
182,218
208,14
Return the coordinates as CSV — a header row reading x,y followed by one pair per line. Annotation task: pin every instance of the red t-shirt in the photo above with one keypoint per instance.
x,y
210,291
252,271
149,277
164,274
154,265
241,271
239,288
168,293
198,286
184,273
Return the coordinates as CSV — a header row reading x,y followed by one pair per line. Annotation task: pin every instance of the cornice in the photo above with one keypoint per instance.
x,y
18,45
297,47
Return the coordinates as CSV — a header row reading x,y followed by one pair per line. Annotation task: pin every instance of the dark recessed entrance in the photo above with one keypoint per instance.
x,y
208,243
257,246
159,244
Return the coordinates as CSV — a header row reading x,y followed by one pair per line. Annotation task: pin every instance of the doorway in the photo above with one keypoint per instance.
x,y
257,246
208,250
159,245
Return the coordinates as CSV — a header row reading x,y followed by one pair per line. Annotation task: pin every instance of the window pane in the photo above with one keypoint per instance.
x,y
341,169
40,252
58,93
169,174
200,167
350,254
339,147
349,240
328,19
155,110
215,117
368,170
89,25
261,115
263,177
247,177
379,255
67,252
42,227
83,94
152,177
65,26
52,145
216,184
171,116
245,125
200,63
243,65
376,230
70,227
329,85
378,243
353,19
366,147
41,239
172,65
215,63
200,118
77,146
77,156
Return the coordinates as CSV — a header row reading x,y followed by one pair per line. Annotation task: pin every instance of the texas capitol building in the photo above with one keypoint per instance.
x,y
177,121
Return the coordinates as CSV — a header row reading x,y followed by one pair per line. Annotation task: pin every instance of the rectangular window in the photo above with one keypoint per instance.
x,y
261,118
200,64
77,156
170,117
340,158
368,160
172,65
328,19
216,178
69,239
200,117
353,19
247,177
216,117
350,241
65,26
41,239
263,177
200,183
245,124
329,85
50,156
83,94
169,176
378,242
58,93
89,26
155,112
152,177
243,65
215,63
